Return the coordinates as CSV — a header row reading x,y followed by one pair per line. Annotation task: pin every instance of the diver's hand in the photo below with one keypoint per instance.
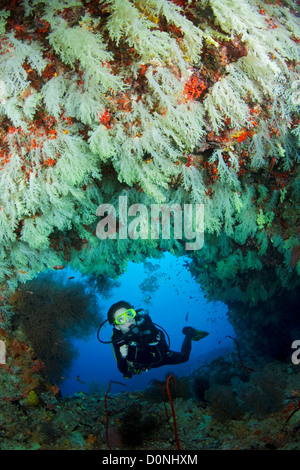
x,y
124,350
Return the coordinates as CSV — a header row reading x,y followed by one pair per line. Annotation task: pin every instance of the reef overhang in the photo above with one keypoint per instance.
x,y
174,102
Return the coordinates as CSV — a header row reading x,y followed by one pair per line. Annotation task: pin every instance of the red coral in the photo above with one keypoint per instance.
x,y
106,410
49,162
240,138
37,365
173,409
105,119
295,410
194,88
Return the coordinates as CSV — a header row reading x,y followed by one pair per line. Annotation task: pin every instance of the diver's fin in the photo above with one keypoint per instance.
x,y
194,334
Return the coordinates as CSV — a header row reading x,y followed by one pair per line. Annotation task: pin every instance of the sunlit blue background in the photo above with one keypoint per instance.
x,y
174,300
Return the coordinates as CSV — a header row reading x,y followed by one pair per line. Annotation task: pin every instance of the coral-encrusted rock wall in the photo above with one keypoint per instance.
x,y
162,101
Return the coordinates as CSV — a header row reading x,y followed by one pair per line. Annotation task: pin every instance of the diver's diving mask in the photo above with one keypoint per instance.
x,y
123,317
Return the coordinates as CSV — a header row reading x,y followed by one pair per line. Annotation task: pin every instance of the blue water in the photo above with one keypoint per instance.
x,y
174,300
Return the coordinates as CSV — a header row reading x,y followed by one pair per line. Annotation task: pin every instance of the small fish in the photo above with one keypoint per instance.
x,y
60,266
78,379
22,272
71,277
29,292
187,316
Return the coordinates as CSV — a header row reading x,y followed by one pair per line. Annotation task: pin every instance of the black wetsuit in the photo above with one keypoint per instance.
x,y
147,347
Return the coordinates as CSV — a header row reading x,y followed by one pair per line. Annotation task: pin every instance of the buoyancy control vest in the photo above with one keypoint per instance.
x,y
147,345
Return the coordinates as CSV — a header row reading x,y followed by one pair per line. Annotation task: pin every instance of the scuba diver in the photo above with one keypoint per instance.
x,y
139,345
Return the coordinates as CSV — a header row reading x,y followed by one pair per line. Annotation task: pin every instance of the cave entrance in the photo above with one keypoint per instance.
x,y
174,299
